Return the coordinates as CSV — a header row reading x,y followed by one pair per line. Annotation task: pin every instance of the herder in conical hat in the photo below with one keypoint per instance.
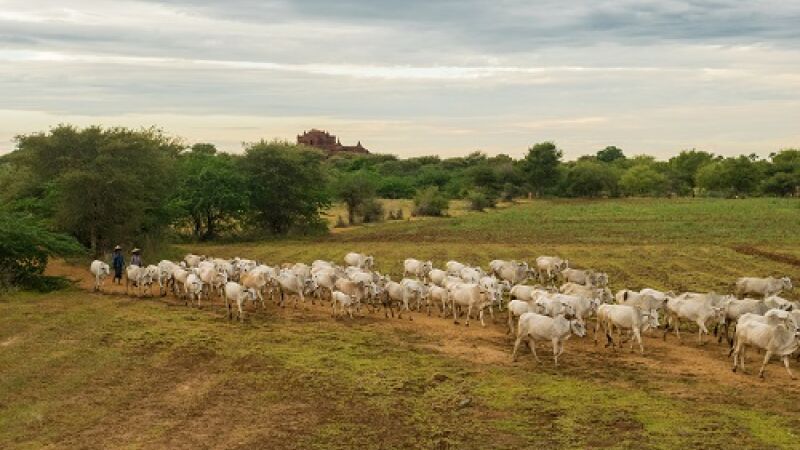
x,y
136,259
118,262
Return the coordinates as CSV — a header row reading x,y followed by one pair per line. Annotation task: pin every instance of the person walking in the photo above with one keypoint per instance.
x,y
136,259
118,262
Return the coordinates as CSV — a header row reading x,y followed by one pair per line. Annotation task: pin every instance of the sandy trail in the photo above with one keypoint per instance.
x,y
491,345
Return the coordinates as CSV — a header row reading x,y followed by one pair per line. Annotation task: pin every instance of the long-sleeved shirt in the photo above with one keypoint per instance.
x,y
136,260
118,261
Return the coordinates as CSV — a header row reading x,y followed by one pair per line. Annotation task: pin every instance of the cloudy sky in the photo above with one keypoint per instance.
x,y
412,77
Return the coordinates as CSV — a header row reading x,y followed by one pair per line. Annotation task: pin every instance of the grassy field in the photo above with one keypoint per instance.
x,y
83,370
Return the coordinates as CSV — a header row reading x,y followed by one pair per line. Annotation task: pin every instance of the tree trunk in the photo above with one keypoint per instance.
x,y
210,227
198,226
93,238
351,214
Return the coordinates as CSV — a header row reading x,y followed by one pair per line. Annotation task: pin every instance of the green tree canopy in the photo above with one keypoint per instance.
x,y
287,186
541,166
643,180
102,186
590,179
211,190
610,154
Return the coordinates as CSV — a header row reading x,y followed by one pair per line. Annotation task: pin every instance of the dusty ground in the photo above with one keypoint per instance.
x,y
88,370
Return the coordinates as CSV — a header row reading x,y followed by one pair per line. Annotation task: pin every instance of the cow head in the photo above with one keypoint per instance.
x,y
787,283
577,328
369,261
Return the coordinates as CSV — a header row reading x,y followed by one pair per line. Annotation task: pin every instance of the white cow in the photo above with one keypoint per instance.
x,y
549,267
438,295
140,277
579,276
517,308
437,277
236,293
165,270
290,283
416,291
622,317
526,293
193,288
417,268
344,301
193,261
213,279
701,309
258,281
599,294
764,287
454,267
359,260
324,280
100,270
534,327
515,272
471,274
735,308
470,296
775,337
554,305
775,302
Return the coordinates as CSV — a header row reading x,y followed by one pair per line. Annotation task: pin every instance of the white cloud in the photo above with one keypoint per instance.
x,y
412,77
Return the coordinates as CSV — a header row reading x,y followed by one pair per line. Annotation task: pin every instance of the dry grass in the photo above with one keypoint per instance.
x,y
82,370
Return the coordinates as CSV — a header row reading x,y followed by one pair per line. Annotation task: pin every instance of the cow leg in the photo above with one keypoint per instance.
x,y
510,323
639,340
455,314
764,364
516,347
480,314
333,309
241,310
701,329
469,313
786,364
532,346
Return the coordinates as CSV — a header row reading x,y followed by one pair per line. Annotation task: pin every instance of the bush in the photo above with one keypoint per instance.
x,y
478,201
372,211
430,202
399,214
25,246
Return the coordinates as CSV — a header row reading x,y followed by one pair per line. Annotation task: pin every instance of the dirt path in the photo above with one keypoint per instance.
x,y
491,345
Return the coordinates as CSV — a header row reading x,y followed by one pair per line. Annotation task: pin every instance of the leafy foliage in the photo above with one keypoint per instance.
x,y
430,202
25,246
286,186
541,166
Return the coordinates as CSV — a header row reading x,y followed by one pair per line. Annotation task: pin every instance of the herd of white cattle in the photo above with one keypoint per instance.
x,y
541,312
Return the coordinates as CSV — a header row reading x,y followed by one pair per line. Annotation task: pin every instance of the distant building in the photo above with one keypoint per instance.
x,y
325,141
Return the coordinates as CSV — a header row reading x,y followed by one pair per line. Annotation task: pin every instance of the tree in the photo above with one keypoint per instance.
x,y
590,179
286,186
730,176
356,190
541,166
643,180
25,246
103,186
684,167
211,190
610,154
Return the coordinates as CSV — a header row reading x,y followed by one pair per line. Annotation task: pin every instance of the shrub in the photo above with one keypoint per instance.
x,y
430,202
25,246
478,201
372,211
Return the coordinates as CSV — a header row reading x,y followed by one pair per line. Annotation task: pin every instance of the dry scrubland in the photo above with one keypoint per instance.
x,y
106,371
